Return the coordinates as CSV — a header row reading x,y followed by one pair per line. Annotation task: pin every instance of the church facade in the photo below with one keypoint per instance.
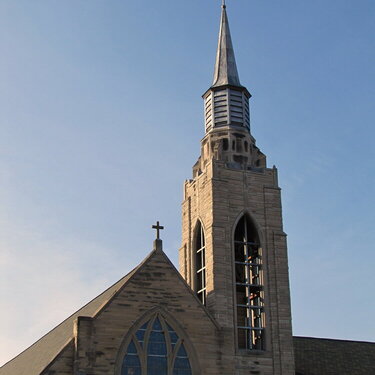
x,y
227,310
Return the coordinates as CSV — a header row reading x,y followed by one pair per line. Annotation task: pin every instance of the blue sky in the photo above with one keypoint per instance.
x,y
100,122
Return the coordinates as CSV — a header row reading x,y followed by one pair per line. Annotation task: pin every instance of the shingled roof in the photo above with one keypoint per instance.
x,y
313,356
34,359
316,356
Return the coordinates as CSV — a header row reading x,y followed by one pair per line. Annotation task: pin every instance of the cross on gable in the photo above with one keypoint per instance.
x,y
158,227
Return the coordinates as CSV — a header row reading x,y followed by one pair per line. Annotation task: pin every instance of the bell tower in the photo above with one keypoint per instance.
x,y
234,252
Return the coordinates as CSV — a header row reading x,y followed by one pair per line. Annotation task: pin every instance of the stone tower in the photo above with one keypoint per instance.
x,y
234,253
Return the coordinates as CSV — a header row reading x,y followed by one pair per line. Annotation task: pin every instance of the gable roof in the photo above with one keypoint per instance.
x,y
35,359
38,356
316,356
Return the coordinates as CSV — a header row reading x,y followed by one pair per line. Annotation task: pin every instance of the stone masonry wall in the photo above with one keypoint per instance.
x,y
63,363
218,197
156,285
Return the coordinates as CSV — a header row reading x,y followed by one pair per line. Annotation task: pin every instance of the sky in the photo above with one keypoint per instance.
x,y
101,118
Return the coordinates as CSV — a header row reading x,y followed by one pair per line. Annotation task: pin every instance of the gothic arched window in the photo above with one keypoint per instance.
x,y
200,263
156,349
249,286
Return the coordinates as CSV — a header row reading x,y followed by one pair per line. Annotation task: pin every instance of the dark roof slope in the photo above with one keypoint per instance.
x,y
34,359
38,356
315,356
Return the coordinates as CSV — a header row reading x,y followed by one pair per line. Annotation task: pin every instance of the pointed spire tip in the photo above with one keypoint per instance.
x,y
225,66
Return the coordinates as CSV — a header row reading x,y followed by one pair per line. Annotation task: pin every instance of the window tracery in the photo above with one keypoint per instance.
x,y
249,286
156,349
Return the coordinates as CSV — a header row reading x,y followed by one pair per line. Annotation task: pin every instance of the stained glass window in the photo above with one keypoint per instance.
x,y
140,334
181,363
153,346
131,364
173,336
157,351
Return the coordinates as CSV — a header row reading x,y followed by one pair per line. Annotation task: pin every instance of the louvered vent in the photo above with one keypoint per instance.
x,y
221,107
208,112
226,107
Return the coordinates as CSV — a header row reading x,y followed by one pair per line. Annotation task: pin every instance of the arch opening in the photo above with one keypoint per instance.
x,y
249,286
200,263
156,349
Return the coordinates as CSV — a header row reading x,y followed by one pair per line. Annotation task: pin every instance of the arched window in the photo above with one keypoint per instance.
x,y
200,263
156,349
249,286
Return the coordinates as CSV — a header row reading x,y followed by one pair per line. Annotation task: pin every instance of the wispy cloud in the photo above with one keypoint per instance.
x,y
43,282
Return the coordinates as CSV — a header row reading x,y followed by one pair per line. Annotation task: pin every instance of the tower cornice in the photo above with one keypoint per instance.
x,y
238,88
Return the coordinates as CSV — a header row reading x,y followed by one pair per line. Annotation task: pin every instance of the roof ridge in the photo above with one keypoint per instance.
x,y
191,291
131,274
114,287
332,339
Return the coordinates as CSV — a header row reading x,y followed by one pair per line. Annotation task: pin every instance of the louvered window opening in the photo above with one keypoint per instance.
x,y
225,107
208,112
221,107
200,264
247,114
249,287
236,107
156,349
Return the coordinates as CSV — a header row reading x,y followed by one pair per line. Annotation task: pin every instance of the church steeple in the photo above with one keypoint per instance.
x,y
227,112
233,252
226,101
225,67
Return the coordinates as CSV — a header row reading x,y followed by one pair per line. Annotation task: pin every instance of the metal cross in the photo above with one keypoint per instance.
x,y
158,227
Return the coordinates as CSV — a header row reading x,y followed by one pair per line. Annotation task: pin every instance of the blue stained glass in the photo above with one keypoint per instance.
x,y
144,326
157,336
181,372
131,365
157,325
157,348
157,365
140,334
170,329
131,360
131,348
157,361
174,337
157,344
181,351
132,371
181,363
